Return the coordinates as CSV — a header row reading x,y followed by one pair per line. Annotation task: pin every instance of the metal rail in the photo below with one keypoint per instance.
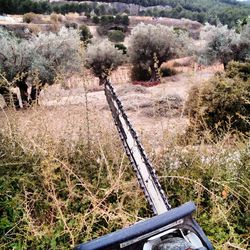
x,y
146,174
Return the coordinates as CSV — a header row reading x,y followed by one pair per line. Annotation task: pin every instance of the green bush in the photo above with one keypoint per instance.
x,y
46,54
85,33
140,74
165,71
107,19
121,47
152,45
95,19
222,104
116,36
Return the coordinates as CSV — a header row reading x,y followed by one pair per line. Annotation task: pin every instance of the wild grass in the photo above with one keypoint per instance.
x,y
58,191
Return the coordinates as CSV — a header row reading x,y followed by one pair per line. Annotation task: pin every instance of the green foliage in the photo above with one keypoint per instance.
x,y
227,12
140,74
122,19
223,104
95,19
109,23
47,54
224,45
107,20
151,45
215,178
116,36
85,34
165,71
102,57
121,47
55,195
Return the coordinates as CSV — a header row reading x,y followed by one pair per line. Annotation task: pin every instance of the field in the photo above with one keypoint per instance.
x,y
65,178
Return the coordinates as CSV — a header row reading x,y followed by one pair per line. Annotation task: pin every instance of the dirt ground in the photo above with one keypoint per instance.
x,y
65,112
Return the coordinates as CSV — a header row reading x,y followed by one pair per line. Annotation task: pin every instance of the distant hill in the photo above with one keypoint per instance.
x,y
212,11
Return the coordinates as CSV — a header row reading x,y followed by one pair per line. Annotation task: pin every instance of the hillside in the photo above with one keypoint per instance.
x,y
212,11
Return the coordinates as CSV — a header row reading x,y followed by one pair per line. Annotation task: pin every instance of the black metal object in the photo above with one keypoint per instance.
x,y
134,237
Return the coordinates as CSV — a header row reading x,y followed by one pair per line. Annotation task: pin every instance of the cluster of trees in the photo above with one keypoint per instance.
x,y
111,20
150,46
212,11
114,27
45,7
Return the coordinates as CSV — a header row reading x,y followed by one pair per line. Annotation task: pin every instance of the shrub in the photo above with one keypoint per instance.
x,y
85,34
16,55
116,36
140,74
71,25
223,104
102,57
56,18
31,17
224,45
106,20
151,45
95,19
55,53
121,47
122,20
165,71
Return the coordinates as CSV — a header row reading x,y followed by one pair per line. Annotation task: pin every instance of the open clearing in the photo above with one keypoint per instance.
x,y
153,111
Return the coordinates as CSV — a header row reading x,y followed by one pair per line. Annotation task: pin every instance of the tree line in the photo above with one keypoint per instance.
x,y
212,11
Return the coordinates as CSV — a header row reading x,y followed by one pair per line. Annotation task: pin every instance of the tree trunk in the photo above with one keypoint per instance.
x,y
102,80
155,76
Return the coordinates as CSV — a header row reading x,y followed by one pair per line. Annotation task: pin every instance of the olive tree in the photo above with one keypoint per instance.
x,y
45,55
151,45
102,57
15,55
223,44
56,53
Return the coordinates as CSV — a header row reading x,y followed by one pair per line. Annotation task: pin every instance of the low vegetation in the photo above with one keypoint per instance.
x,y
222,105
54,195
85,34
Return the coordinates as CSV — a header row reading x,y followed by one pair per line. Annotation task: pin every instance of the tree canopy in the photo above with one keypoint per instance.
x,y
151,45
212,11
